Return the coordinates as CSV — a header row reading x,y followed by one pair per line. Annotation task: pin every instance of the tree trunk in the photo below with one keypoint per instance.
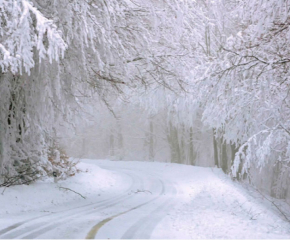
x,y
216,158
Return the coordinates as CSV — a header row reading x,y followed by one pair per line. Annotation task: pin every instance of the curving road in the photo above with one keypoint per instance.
x,y
149,200
133,213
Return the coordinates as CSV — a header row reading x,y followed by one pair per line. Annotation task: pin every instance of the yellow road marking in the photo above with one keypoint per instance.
x,y
93,232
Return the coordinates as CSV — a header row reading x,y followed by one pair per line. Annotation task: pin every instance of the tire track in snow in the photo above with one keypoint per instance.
x,y
5,233
143,228
35,234
94,230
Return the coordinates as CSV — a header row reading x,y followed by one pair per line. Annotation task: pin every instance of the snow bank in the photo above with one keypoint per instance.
x,y
213,206
93,181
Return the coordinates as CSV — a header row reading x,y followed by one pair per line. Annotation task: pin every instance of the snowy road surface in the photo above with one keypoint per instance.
x,y
138,200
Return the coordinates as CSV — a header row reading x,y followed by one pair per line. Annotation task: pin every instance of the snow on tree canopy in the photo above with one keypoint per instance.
x,y
24,28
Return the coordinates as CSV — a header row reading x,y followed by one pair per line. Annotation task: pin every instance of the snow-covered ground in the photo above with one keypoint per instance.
x,y
116,199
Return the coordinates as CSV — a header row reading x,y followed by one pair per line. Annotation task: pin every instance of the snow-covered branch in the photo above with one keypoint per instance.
x,y
23,29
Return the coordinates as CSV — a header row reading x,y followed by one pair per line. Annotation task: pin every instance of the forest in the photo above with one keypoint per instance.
x,y
203,83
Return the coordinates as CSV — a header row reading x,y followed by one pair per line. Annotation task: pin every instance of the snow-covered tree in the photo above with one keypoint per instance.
x,y
28,38
189,69
244,92
55,53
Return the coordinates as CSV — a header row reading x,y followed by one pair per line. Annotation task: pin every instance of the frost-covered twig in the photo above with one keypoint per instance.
x,y
24,177
240,154
72,191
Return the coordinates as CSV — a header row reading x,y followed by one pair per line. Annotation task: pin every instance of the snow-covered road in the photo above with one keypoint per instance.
x,y
139,200
143,205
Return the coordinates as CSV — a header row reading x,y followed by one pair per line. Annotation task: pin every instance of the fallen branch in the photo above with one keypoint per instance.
x,y
275,205
139,191
23,177
4,190
72,191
